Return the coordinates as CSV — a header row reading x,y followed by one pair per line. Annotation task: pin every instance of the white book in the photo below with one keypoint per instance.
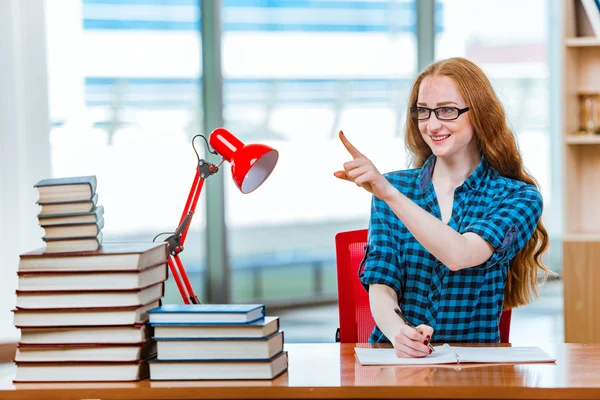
x,y
81,372
447,354
593,15
85,353
69,207
74,231
67,245
111,256
83,316
81,281
86,334
86,216
72,188
66,299
216,370
220,348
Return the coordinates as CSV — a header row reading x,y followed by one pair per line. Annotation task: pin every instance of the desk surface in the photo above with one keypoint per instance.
x,y
332,371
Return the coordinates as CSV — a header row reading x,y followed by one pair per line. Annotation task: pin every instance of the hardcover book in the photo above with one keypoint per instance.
x,y
68,207
215,369
94,352
86,217
82,372
207,313
88,299
260,328
72,231
593,15
109,257
83,316
68,245
73,188
86,334
102,281
219,348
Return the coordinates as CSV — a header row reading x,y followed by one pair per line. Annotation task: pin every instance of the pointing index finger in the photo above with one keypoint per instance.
x,y
351,149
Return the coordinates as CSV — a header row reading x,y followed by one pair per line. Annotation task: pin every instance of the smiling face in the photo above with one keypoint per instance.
x,y
447,139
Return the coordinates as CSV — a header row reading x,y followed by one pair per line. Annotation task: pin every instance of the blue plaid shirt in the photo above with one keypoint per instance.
x,y
461,306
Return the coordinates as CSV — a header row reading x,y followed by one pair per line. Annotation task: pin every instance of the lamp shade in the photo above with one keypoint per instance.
x,y
251,164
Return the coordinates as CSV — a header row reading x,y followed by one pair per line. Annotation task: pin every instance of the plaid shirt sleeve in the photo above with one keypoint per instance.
x,y
380,264
510,226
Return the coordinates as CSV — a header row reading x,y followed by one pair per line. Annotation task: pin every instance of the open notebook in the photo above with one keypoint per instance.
x,y
447,354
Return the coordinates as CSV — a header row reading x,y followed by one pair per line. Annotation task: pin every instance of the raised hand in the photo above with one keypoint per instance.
x,y
363,173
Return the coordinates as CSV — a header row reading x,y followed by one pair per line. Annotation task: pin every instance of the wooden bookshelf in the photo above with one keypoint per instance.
x,y
587,41
581,180
583,139
582,237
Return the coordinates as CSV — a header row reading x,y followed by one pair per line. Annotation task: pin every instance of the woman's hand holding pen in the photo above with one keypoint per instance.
x,y
413,342
363,173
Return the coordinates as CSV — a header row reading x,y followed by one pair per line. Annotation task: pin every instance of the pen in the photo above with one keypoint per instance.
x,y
397,310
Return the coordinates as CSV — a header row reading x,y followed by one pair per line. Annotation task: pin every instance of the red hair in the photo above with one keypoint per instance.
x,y
499,146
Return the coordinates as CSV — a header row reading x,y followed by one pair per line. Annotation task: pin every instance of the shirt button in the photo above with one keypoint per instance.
x,y
435,297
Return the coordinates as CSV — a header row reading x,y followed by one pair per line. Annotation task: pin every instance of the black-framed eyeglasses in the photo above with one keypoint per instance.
x,y
441,113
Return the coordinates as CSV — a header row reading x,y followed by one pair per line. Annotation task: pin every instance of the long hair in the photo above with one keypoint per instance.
x,y
498,144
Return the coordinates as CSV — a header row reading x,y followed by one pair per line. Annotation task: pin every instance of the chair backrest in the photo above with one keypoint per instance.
x,y
356,321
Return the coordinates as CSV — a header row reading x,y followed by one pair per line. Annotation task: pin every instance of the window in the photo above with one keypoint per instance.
x,y
125,99
295,73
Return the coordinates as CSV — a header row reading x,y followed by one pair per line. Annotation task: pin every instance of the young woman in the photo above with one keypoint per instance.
x,y
459,238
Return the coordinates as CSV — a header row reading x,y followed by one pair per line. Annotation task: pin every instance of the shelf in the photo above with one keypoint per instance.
x,y
588,41
581,237
583,139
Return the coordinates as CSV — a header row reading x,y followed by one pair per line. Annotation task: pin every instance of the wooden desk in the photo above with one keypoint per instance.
x,y
331,371
7,352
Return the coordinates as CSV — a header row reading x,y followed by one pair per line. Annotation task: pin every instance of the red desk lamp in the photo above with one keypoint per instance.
x,y
251,165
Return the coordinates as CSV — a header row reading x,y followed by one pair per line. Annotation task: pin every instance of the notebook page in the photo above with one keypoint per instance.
x,y
367,356
502,354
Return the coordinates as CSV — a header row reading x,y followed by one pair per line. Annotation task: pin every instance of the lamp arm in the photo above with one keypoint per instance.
x,y
177,239
203,171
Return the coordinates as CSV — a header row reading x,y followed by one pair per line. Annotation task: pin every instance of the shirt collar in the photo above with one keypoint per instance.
x,y
424,177
472,182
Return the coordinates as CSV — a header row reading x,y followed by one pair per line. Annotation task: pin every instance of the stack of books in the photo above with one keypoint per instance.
x,y
70,216
83,316
216,341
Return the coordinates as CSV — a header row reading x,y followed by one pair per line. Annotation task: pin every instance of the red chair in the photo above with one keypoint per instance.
x,y
356,321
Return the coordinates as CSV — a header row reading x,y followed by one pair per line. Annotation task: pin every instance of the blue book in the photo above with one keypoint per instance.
x,y
207,313
260,328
